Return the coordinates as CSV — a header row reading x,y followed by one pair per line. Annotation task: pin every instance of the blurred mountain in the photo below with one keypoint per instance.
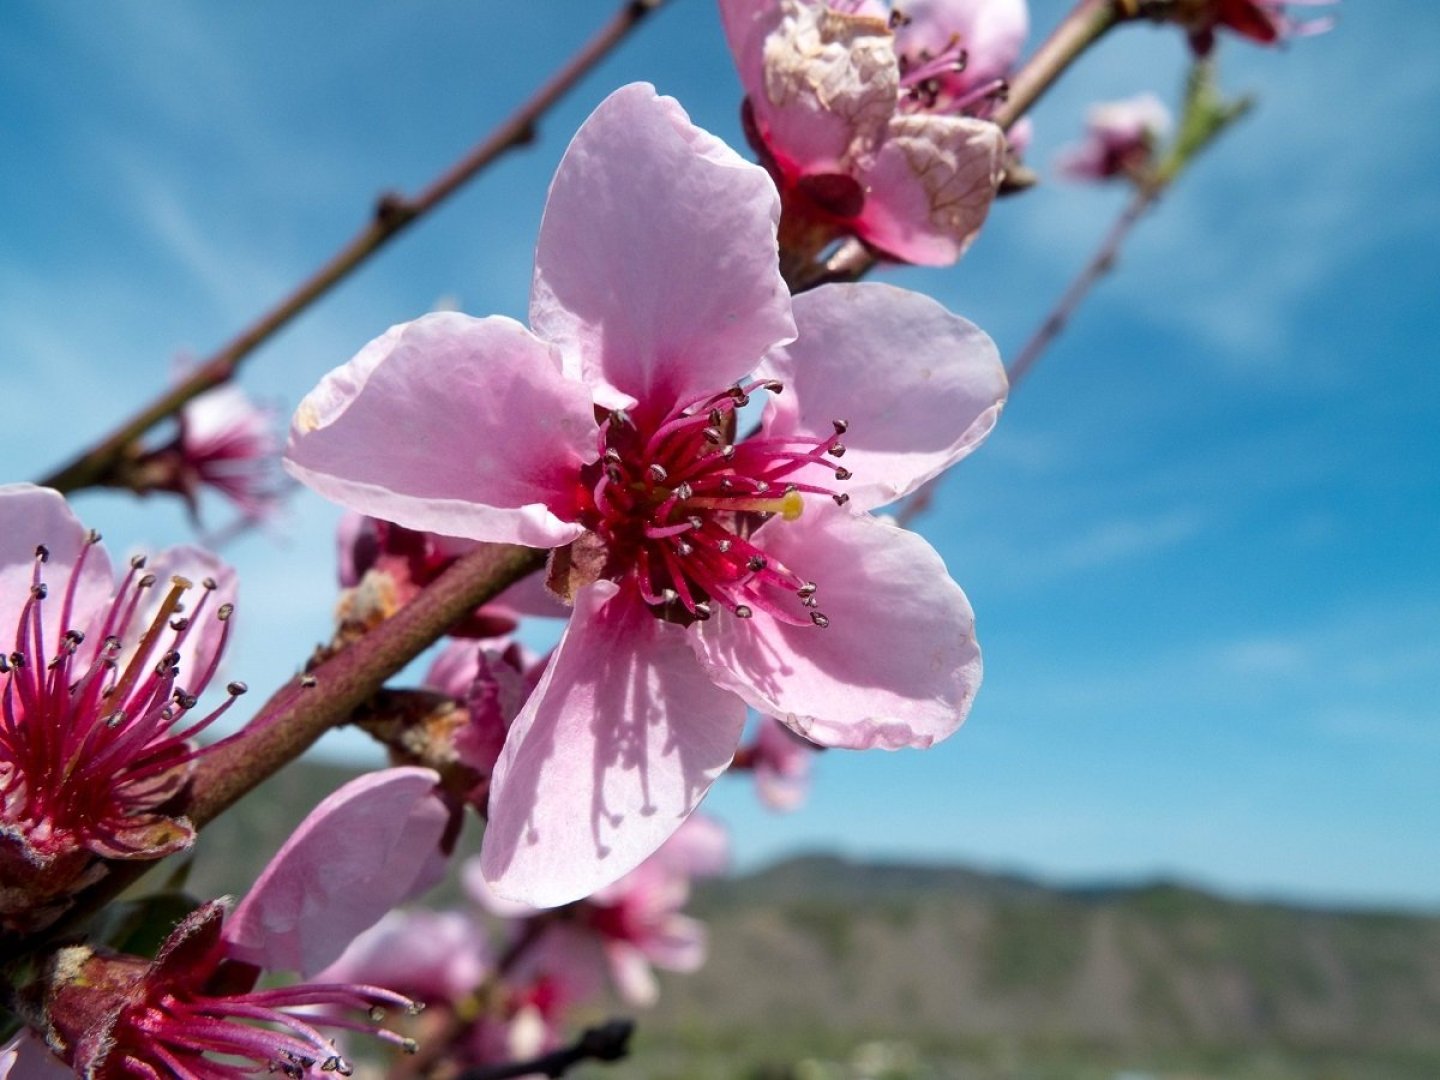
x,y
963,973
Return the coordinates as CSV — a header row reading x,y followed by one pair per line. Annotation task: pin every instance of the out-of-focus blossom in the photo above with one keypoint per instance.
x,y
619,934
96,710
1268,22
707,573
231,445
383,565
872,120
359,852
781,762
1120,140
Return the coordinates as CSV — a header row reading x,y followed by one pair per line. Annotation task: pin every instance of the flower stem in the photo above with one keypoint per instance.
x,y
608,1042
392,215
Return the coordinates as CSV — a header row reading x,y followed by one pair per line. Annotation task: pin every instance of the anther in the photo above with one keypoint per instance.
x,y
42,553
808,589
669,596
775,386
841,499
39,590
841,426
717,418
74,639
843,474
147,581
819,620
115,719
613,474
727,452
225,611
186,701
695,521
703,610
657,472
620,418
93,537
377,1014
612,456
17,660
838,450
761,486
137,562
209,583
683,549
179,625
307,681
756,563
722,546
713,435
410,1046
743,611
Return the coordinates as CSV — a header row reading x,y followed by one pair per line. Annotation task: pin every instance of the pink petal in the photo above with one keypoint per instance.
x,y
930,186
747,24
616,746
920,387
30,516
26,1057
829,85
678,944
364,849
631,973
453,425
898,664
699,848
431,955
659,281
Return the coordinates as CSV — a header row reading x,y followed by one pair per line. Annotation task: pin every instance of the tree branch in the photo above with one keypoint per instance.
x,y
608,1042
392,215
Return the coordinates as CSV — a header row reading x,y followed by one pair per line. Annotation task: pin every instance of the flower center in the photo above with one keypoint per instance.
x,y
676,507
84,744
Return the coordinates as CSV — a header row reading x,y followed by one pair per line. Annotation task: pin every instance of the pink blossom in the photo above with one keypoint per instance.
x,y
707,573
96,721
1265,21
231,445
872,121
781,761
360,851
623,931
492,684
1120,138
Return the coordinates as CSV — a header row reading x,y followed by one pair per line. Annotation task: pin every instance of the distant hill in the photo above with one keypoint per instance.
x,y
962,973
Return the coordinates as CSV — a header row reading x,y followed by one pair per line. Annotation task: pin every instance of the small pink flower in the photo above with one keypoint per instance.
x,y
781,761
230,445
1120,138
872,121
363,849
618,934
1265,21
95,714
707,572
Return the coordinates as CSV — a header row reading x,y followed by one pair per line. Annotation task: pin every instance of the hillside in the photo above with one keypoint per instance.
x,y
958,973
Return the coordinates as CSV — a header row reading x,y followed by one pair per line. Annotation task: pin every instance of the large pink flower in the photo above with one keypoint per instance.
x,y
96,697
872,120
708,572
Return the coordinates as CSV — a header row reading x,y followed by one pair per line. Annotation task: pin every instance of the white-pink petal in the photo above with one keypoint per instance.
x,y
656,270
898,664
930,186
368,846
919,386
31,516
454,425
612,752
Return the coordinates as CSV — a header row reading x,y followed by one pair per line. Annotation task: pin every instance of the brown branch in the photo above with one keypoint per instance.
x,y
392,215
608,1042
1100,264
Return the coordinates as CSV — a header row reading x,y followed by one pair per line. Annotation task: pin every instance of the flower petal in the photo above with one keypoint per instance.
x,y
919,387
613,750
453,425
992,33
364,849
829,86
30,516
26,1057
659,282
435,956
930,186
631,973
898,664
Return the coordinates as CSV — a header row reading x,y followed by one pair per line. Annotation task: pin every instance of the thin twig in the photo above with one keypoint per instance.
x,y
392,215
1100,264
608,1042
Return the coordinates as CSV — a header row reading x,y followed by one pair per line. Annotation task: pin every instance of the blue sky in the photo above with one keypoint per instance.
x,y
1201,543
